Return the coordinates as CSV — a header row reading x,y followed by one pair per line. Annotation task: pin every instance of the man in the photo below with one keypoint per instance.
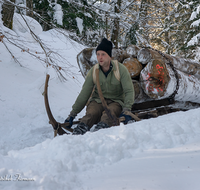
x,y
117,89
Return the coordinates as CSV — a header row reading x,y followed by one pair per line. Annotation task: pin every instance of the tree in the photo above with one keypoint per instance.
x,y
7,13
45,10
116,27
29,5
193,40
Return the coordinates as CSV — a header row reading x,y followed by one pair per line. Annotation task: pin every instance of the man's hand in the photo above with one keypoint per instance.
x,y
126,116
70,121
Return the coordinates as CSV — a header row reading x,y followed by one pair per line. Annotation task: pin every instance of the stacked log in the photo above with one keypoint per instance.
x,y
86,59
163,83
132,51
133,65
163,80
155,75
188,66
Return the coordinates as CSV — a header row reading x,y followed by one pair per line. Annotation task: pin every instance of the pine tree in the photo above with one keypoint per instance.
x,y
193,40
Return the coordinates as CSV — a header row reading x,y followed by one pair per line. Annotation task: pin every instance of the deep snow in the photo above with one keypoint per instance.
x,y
155,154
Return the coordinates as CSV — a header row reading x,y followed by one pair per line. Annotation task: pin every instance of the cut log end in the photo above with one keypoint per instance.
x,y
155,79
133,65
86,60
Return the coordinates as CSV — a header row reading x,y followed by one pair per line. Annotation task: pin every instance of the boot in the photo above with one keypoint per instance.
x,y
100,125
80,129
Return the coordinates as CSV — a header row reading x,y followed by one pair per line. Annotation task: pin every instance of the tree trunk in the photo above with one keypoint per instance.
x,y
106,15
7,13
115,32
29,4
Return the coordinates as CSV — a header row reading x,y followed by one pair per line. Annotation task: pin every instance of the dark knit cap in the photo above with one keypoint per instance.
x,y
106,46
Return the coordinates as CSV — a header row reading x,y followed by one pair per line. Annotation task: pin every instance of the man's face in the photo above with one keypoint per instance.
x,y
103,58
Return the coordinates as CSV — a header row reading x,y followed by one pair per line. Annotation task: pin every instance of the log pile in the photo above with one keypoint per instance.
x,y
155,75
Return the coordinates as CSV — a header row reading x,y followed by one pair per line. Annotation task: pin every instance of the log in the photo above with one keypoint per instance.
x,y
133,65
132,51
140,96
119,54
160,82
188,66
155,79
86,59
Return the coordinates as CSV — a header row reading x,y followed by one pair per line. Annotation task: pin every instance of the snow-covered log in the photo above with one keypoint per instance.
x,y
188,66
119,54
159,82
132,51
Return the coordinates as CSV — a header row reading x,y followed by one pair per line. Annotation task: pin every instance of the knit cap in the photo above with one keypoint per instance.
x,y
106,46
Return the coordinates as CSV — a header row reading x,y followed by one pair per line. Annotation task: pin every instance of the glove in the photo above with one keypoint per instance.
x,y
70,121
126,116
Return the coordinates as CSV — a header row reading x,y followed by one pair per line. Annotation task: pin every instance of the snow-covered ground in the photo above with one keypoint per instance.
x,y
155,154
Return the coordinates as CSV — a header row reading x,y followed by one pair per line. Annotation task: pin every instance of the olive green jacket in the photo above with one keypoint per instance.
x,y
119,91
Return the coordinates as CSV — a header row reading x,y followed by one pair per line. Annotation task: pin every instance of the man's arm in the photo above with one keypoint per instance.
x,y
84,95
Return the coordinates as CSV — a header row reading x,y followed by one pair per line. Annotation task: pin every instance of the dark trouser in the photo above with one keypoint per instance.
x,y
95,113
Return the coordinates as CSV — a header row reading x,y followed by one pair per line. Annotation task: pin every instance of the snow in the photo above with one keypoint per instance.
x,y
58,15
79,24
195,13
156,154
20,27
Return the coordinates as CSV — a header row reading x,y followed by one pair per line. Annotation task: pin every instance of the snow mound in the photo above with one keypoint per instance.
x,y
21,28
67,156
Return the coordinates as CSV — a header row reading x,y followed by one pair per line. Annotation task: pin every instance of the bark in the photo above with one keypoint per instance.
x,y
115,32
7,13
29,4
106,21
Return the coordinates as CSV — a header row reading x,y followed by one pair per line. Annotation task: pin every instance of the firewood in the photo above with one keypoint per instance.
x,y
133,66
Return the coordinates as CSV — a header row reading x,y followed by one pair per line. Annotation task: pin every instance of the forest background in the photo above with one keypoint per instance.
x,y
172,26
